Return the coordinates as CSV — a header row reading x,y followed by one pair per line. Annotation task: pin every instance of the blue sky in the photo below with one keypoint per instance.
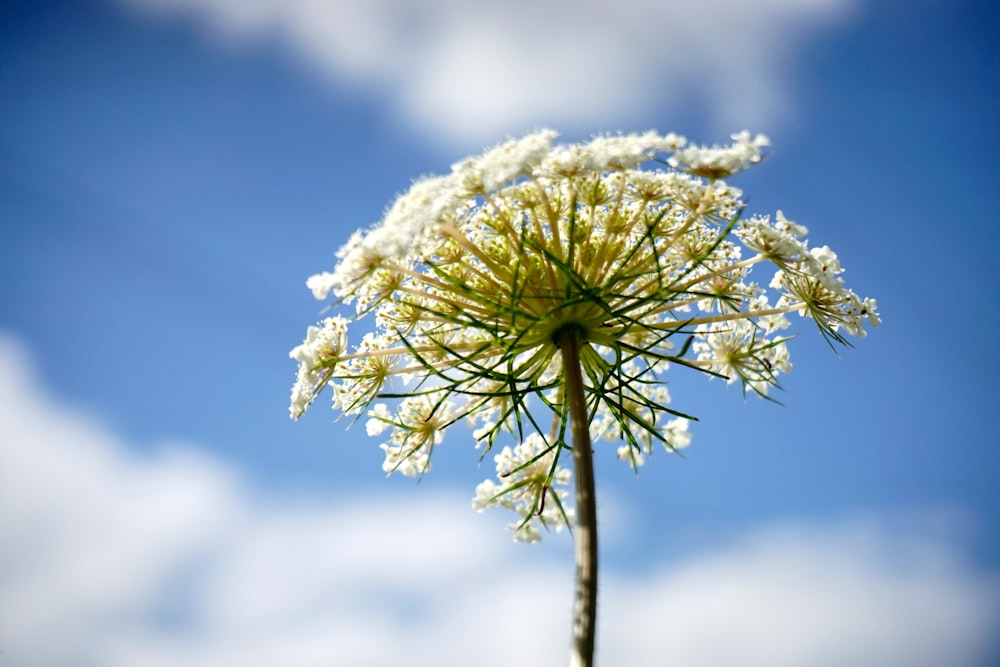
x,y
170,174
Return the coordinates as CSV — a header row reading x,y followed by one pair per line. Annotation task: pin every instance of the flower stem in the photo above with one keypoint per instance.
x,y
585,603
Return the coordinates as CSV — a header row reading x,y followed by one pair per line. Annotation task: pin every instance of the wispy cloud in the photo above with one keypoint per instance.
x,y
119,559
472,71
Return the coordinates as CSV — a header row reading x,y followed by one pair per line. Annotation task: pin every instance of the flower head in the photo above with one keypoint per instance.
x,y
632,242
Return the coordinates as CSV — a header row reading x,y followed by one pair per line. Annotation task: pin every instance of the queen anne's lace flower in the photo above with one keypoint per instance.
x,y
531,484
318,356
471,278
721,161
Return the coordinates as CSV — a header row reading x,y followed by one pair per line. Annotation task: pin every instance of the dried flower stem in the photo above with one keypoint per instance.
x,y
585,605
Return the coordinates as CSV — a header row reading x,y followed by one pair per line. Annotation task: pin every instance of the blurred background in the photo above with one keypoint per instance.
x,y
171,171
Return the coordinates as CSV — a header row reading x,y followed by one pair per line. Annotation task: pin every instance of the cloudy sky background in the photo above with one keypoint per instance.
x,y
171,172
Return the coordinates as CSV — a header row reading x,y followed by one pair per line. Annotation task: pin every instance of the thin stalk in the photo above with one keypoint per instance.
x,y
585,600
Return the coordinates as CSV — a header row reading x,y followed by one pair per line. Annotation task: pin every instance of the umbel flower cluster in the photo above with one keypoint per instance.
x,y
634,243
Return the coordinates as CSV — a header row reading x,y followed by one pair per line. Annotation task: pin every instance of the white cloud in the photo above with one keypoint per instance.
x,y
471,71
114,559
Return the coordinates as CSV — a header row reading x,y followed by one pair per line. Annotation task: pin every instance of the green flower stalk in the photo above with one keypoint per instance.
x,y
539,293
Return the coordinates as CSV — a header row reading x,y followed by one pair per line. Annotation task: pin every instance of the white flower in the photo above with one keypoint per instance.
x,y
322,284
721,161
504,163
318,356
825,266
626,151
785,225
738,351
408,462
417,427
381,418
473,278
778,241
869,310
675,436
532,484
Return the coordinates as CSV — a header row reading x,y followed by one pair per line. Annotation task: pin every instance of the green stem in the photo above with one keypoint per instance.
x,y
585,601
